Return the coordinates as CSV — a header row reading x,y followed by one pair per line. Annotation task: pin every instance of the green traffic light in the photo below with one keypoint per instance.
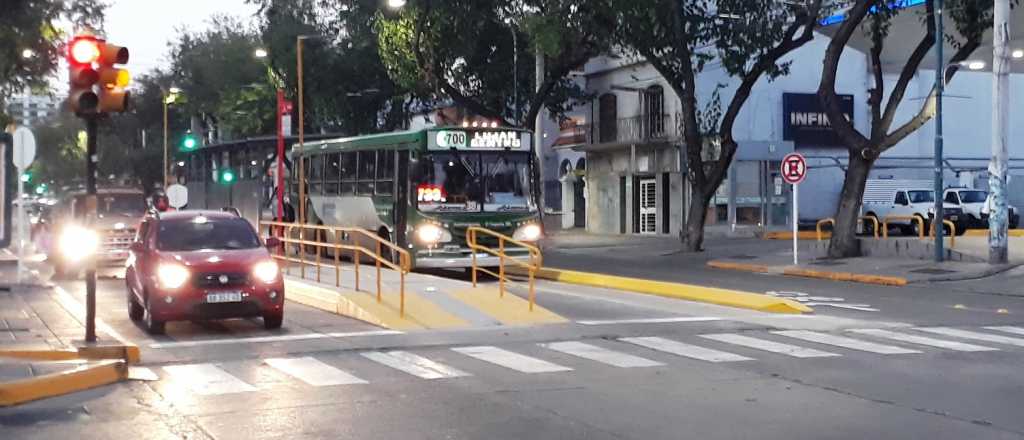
x,y
26,177
189,142
40,190
227,177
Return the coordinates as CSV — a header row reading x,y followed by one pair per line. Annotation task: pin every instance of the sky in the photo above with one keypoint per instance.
x,y
145,26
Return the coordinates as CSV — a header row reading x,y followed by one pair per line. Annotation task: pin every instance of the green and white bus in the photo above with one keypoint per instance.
x,y
422,189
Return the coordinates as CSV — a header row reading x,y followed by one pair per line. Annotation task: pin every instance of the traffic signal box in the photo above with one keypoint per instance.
x,y
97,86
189,142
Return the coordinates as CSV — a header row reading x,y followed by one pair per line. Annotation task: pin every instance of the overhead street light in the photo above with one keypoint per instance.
x,y
395,4
260,53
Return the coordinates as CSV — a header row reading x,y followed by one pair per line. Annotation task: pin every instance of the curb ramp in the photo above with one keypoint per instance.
x,y
95,366
711,295
430,303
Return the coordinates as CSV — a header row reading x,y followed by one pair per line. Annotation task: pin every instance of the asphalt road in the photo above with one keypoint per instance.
x,y
626,366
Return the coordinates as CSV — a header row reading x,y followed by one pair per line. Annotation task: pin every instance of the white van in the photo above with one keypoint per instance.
x,y
975,203
905,198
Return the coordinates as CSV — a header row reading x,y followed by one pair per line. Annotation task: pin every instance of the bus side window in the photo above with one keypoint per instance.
x,y
316,175
348,174
367,164
332,173
385,173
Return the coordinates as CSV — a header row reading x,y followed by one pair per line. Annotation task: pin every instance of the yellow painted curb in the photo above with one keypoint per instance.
x,y
57,384
846,276
420,313
128,353
984,233
509,309
729,265
723,297
800,235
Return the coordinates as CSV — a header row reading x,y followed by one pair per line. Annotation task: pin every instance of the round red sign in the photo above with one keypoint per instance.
x,y
794,168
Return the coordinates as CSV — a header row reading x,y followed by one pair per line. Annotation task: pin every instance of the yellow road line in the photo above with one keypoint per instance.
x,y
128,353
724,297
846,276
756,268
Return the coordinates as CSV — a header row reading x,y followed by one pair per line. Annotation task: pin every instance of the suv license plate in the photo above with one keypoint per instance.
x,y
223,297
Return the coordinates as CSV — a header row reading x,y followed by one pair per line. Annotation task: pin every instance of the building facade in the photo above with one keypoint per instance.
x,y
27,109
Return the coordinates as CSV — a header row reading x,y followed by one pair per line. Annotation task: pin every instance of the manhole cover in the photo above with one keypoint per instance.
x,y
827,263
929,271
742,257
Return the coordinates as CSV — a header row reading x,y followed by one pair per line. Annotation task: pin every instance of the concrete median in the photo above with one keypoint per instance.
x,y
101,365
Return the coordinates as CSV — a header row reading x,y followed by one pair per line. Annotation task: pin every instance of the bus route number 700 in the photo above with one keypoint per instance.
x,y
451,139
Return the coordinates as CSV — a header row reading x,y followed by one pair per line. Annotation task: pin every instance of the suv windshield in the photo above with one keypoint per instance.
x,y
973,196
921,196
127,205
475,182
201,233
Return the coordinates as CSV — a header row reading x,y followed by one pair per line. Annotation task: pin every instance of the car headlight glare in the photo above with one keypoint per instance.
x,y
172,275
429,233
77,243
266,271
528,232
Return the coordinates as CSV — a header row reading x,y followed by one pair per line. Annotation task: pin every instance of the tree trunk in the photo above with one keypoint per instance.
x,y
844,242
694,236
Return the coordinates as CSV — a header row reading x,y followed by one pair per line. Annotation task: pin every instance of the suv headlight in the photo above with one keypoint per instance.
x,y
266,271
528,232
172,275
429,233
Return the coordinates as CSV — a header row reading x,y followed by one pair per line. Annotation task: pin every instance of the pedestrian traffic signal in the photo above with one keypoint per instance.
x,y
226,177
189,142
91,63
26,176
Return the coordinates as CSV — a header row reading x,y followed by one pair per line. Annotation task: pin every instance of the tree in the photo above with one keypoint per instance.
x,y
467,56
679,38
32,28
971,18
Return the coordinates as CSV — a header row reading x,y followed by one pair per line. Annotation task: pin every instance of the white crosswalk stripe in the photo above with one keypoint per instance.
x,y
973,335
508,359
602,355
1007,329
842,341
923,340
770,346
313,372
413,364
685,350
207,379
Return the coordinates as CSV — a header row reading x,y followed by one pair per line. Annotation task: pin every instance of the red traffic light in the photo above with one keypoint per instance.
x,y
84,50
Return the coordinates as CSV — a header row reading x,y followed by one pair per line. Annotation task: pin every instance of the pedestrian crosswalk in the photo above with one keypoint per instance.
x,y
327,370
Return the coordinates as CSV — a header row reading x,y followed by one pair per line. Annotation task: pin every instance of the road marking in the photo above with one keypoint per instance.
x,y
841,341
650,320
1007,329
602,355
415,365
253,340
923,340
77,310
973,335
207,379
770,346
313,372
685,350
810,300
508,359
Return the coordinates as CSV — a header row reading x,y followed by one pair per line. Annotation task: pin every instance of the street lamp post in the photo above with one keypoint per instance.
x,y
169,97
939,86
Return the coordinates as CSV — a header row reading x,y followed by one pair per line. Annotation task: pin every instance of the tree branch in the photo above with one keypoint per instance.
x,y
827,87
875,94
910,69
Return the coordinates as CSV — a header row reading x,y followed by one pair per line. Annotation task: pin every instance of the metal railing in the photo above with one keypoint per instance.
x,y
640,128
952,232
818,226
531,266
296,234
914,218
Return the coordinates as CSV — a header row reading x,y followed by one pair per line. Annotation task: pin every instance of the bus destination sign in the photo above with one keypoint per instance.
x,y
478,140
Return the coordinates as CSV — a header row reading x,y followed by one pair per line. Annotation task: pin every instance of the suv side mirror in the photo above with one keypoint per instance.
x,y
273,242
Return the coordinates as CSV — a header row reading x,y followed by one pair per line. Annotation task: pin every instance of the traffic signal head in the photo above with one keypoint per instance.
x,y
91,63
189,142
226,176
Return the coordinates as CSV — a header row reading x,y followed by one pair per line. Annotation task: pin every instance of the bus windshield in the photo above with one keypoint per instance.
x,y
127,205
475,182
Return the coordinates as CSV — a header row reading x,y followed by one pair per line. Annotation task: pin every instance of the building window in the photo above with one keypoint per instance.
x,y
654,109
608,109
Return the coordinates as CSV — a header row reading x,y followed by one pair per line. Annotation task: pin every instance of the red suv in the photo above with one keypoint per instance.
x,y
196,265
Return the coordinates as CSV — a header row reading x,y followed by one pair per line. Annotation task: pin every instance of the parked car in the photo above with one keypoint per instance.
x,y
70,233
906,199
196,265
975,203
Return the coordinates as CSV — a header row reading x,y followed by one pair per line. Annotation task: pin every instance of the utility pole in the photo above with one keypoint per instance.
x,y
998,218
940,83
90,215
538,132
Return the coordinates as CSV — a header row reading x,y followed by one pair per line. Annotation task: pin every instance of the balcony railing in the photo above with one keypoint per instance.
x,y
641,128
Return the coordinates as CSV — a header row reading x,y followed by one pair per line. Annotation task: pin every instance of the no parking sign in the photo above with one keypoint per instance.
x,y
794,170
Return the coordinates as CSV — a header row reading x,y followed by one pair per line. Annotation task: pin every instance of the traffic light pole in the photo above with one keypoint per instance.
x,y
90,207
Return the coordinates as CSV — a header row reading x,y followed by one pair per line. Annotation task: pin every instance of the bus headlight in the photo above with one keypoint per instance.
x,y
528,232
77,243
266,271
429,233
172,275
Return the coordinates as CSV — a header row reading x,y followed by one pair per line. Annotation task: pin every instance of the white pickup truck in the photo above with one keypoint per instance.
x,y
905,198
974,203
